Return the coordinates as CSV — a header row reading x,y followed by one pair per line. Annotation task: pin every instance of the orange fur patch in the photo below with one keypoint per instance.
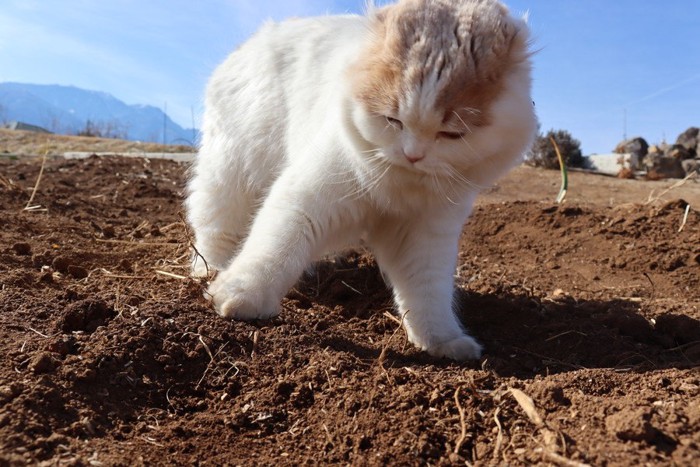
x,y
463,48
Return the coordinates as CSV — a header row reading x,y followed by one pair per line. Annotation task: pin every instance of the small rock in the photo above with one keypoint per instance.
x,y
559,293
631,425
22,249
9,392
689,388
108,232
673,263
85,315
61,264
43,363
46,277
125,265
62,345
86,375
77,272
681,328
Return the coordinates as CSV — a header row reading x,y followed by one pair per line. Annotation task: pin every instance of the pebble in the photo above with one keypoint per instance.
x,y
22,249
43,363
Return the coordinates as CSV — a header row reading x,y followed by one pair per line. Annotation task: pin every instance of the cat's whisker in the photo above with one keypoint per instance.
x,y
471,110
388,125
440,189
463,123
377,180
468,128
350,175
340,178
462,179
451,180
469,146
374,178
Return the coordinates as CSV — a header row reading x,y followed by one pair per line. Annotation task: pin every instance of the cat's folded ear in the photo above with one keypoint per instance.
x,y
525,18
369,8
375,13
522,41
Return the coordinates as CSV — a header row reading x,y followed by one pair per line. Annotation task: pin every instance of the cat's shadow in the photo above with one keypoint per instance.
x,y
526,335
523,335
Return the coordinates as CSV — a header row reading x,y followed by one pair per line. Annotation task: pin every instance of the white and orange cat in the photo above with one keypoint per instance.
x,y
323,132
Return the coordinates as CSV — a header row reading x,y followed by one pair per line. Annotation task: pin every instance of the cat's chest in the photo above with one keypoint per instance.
x,y
409,195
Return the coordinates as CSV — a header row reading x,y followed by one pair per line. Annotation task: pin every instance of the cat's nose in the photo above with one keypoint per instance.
x,y
413,158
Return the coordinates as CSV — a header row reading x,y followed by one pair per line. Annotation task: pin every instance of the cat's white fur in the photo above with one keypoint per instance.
x,y
293,166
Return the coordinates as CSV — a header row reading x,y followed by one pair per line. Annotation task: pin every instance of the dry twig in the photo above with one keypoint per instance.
x,y
382,354
29,206
499,436
558,459
171,275
678,184
528,405
462,422
135,243
685,218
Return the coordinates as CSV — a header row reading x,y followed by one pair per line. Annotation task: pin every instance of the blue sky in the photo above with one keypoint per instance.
x,y
596,60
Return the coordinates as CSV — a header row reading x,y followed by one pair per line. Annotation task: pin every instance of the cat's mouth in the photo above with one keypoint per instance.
x,y
408,167
420,167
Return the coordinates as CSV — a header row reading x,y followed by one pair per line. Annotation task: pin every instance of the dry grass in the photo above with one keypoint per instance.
x,y
29,206
653,198
30,143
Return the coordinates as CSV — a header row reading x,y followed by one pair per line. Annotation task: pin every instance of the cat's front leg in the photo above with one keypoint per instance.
x,y
419,259
282,242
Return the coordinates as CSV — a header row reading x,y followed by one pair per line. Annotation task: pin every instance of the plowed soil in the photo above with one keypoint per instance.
x,y
589,313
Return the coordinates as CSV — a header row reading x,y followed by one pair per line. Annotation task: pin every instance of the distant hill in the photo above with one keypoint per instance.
x,y
70,110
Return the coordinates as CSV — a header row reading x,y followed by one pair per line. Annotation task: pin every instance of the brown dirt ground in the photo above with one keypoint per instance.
x,y
110,357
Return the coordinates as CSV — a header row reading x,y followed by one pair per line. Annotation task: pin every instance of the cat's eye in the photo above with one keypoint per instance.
x,y
395,122
450,135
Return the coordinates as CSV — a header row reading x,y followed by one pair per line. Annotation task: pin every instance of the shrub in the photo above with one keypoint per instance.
x,y
102,130
542,153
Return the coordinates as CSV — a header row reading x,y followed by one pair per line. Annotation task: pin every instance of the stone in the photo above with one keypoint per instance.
x,y
631,425
667,167
654,149
637,148
680,152
22,249
43,363
691,165
690,139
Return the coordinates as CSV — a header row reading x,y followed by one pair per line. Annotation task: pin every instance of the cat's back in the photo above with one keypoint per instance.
x,y
272,92
284,54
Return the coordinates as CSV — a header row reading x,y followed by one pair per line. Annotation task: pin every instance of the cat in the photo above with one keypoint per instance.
x,y
320,133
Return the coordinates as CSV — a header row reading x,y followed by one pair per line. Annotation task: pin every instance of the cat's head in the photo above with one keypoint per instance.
x,y
445,85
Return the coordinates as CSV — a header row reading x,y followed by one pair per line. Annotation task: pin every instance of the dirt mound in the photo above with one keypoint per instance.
x,y
589,314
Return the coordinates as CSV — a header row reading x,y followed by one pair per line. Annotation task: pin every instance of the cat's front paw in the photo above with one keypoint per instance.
x,y
234,299
460,348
